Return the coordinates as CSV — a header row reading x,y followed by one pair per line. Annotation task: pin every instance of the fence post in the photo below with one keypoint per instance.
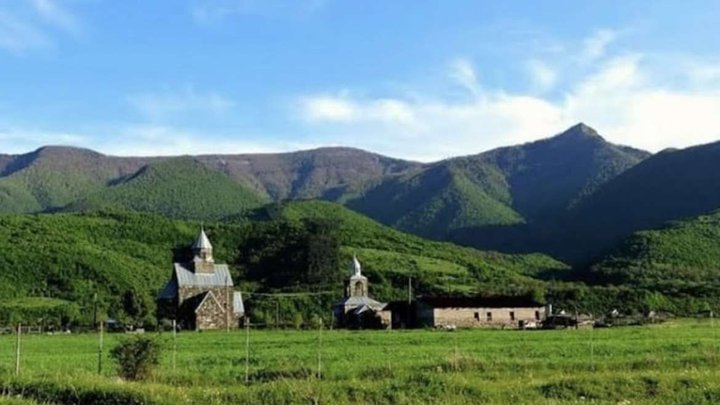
x,y
174,347
319,353
247,350
100,347
17,350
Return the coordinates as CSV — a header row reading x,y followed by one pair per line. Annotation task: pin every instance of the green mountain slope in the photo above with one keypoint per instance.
x,y
515,199
176,188
441,198
549,176
53,177
679,260
334,174
670,185
494,200
126,257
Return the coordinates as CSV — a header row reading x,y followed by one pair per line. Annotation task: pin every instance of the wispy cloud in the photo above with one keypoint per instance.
x,y
18,36
54,14
542,75
163,140
165,105
207,11
595,46
21,140
463,73
620,95
28,25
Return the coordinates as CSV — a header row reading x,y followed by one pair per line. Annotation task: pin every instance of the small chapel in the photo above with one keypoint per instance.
x,y
357,310
200,293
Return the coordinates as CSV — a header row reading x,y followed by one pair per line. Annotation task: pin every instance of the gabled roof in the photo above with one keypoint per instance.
x,y
188,278
238,306
183,276
502,301
362,301
208,298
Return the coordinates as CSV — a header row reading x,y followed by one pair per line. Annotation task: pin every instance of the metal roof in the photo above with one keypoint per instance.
x,y
362,301
238,306
218,278
501,301
355,267
202,241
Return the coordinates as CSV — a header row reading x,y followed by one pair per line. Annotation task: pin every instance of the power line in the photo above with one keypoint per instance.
x,y
298,294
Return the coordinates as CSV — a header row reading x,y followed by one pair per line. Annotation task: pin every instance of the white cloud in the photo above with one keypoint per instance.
x,y
618,98
595,46
463,72
17,36
208,11
26,28
53,13
542,75
16,140
167,104
160,140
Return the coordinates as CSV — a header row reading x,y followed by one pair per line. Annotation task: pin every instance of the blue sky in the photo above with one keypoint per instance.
x,y
418,80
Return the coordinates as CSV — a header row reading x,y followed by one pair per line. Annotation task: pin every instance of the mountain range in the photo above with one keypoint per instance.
x,y
574,196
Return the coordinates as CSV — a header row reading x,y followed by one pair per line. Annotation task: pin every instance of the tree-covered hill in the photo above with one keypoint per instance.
x,y
126,257
671,185
52,177
680,260
508,190
177,188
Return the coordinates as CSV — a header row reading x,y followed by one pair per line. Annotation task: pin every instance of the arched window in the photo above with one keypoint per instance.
x,y
359,289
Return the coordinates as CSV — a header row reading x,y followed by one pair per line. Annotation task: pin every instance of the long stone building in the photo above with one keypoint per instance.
x,y
200,293
472,312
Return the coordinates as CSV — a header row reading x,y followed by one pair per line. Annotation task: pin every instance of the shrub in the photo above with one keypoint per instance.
x,y
137,357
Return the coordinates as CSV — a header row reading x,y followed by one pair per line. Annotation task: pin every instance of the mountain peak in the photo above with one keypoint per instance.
x,y
580,130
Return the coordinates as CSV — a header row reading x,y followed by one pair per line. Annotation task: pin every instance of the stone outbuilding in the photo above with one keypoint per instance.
x,y
473,312
200,293
357,310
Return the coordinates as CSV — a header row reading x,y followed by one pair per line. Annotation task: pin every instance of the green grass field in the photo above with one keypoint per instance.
x,y
675,362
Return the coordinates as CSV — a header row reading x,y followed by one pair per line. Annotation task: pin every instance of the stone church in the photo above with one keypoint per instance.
x,y
357,310
200,293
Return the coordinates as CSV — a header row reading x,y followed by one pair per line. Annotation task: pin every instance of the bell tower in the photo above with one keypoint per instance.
x,y
203,261
358,284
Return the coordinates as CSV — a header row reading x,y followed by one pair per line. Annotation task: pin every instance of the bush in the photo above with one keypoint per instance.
x,y
137,357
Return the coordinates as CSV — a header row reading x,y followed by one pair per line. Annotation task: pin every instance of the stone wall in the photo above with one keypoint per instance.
x,y
209,316
480,317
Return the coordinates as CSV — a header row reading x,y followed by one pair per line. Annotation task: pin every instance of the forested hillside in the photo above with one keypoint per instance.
x,y
573,196
506,193
493,200
126,257
178,188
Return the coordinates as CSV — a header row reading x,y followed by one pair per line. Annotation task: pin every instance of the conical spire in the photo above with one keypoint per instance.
x,y
202,241
202,249
355,268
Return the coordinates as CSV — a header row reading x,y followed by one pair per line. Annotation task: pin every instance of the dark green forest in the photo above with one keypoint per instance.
x,y
58,268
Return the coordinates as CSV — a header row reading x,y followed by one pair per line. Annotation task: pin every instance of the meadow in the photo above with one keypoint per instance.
x,y
674,362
